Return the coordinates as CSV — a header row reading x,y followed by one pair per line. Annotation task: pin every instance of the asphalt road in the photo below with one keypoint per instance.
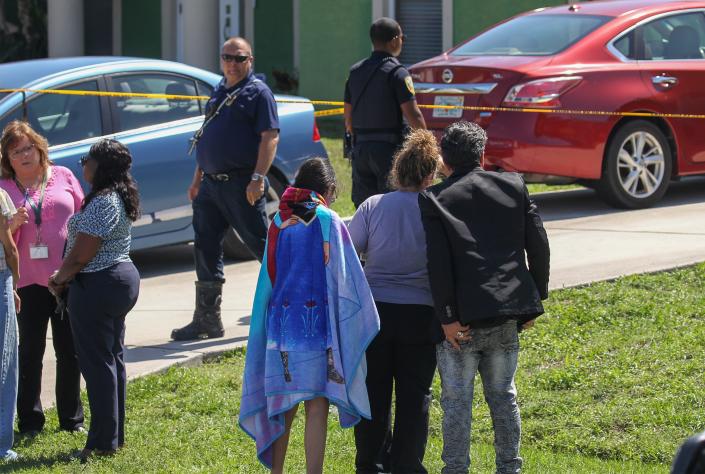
x,y
589,241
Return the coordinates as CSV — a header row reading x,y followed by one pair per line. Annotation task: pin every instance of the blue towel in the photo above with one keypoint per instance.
x,y
308,318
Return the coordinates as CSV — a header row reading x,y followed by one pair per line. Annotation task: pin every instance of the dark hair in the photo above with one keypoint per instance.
x,y
416,160
318,175
384,30
14,132
113,174
463,144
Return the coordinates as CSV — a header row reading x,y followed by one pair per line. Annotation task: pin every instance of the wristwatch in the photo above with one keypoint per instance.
x,y
257,177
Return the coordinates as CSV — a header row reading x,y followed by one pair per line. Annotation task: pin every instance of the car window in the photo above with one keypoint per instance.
x,y
204,90
136,112
62,118
625,45
14,114
673,37
532,35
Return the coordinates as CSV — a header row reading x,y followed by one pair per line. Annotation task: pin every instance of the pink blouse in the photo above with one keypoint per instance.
x,y
62,199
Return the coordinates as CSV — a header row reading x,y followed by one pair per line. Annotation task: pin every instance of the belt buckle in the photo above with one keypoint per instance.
x,y
222,177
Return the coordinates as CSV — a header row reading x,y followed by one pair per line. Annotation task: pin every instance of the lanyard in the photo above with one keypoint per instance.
x,y
36,208
227,101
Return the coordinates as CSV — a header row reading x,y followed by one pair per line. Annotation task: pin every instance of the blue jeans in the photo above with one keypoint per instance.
x,y
8,363
218,206
493,352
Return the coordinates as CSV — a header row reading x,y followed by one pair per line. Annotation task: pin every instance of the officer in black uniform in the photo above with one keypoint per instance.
x,y
235,148
379,94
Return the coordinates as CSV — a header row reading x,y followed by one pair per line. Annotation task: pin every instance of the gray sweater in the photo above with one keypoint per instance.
x,y
387,229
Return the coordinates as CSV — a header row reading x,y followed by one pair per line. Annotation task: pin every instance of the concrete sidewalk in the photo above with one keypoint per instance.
x,y
589,242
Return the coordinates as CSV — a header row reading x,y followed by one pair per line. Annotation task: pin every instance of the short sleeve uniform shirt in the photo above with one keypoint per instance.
x,y
231,140
379,103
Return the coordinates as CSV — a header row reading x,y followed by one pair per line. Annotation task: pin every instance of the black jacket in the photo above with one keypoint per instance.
x,y
481,228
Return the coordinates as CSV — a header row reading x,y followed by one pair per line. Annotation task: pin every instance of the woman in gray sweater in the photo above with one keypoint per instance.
x,y
387,229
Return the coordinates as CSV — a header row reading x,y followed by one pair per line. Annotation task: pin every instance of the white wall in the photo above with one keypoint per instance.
x,y
197,33
169,29
65,27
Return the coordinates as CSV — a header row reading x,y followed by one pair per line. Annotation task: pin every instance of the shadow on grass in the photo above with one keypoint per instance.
x,y
41,462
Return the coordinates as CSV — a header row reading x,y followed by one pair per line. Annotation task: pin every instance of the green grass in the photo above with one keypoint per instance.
x,y
331,135
610,381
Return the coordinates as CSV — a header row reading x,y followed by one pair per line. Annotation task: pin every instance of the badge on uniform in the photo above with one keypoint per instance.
x,y
38,251
409,84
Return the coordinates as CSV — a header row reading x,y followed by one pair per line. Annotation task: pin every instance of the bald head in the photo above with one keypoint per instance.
x,y
236,60
237,42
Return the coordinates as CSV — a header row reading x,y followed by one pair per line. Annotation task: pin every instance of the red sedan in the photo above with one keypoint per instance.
x,y
613,56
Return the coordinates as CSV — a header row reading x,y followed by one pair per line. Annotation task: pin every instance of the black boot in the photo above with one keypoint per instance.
x,y
206,322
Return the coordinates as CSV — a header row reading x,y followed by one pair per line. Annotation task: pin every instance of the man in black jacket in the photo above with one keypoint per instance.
x,y
481,229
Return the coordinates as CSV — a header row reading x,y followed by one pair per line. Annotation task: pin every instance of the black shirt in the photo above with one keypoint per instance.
x,y
377,108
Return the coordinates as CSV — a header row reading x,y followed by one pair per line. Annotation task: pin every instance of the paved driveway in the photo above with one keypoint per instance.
x,y
589,241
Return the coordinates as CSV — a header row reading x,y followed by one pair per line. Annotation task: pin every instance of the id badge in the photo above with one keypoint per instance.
x,y
38,251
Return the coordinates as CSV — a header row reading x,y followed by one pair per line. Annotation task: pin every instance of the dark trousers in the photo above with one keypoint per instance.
x,y
218,206
371,164
402,355
38,306
98,303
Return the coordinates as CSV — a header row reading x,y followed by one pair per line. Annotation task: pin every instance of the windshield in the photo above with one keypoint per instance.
x,y
532,35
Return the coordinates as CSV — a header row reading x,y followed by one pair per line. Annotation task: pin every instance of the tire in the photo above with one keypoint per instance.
x,y
637,166
233,246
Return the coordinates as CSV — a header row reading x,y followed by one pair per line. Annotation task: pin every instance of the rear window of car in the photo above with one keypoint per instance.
x,y
532,35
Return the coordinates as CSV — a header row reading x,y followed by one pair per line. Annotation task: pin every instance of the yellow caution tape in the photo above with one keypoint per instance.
x,y
109,94
329,112
339,110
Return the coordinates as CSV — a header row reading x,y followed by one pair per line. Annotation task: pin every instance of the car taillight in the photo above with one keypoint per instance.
x,y
540,93
316,133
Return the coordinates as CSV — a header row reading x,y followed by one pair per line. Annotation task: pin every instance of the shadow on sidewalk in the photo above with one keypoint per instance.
x,y
578,203
178,350
167,260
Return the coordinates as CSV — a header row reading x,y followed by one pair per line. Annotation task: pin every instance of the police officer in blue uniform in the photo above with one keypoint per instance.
x,y
235,148
379,94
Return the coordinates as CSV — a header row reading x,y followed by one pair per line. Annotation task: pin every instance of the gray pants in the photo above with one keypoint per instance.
x,y
493,352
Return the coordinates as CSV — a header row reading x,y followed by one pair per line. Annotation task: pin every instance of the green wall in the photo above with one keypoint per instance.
x,y
142,28
472,16
334,35
274,40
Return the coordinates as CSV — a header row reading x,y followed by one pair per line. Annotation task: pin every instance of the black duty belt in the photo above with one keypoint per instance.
x,y
228,175
378,137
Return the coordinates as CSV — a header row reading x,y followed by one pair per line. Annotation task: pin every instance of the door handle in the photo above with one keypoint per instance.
x,y
664,81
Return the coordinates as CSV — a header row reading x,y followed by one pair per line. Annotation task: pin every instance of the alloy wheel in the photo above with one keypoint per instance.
x,y
640,164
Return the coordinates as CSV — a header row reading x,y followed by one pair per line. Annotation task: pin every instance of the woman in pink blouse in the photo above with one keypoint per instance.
x,y
46,196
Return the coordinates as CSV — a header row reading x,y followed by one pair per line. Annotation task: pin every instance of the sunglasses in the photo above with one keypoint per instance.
x,y
240,58
84,159
402,37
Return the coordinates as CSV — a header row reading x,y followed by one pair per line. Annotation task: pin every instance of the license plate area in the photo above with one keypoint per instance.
x,y
452,100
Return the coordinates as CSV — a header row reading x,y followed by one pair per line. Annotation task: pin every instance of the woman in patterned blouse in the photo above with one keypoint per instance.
x,y
103,285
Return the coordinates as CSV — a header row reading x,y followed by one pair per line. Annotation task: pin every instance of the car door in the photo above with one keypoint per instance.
x,y
673,66
157,132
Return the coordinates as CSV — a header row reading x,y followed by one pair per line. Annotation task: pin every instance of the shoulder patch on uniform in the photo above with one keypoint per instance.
x,y
409,84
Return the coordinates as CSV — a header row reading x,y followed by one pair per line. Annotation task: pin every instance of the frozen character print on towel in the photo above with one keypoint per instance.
x,y
312,320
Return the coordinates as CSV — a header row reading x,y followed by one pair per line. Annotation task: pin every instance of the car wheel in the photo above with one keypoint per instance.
x,y
637,167
233,246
